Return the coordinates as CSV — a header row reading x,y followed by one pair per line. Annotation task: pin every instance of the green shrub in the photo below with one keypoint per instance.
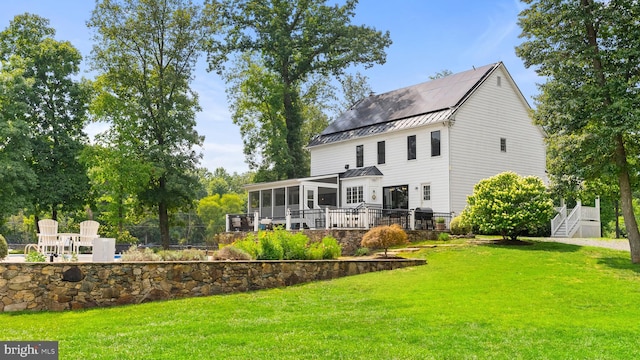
x,y
182,255
443,236
248,245
4,248
383,237
327,249
167,255
135,254
34,256
332,249
363,251
294,246
508,204
270,248
315,251
459,227
231,253
192,255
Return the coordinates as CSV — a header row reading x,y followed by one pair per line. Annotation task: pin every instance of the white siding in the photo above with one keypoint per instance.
x,y
470,148
397,170
493,112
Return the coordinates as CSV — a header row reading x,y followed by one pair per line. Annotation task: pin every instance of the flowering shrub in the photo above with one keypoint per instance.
x,y
508,204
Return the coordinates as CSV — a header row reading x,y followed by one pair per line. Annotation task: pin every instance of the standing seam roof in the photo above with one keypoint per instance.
x,y
404,108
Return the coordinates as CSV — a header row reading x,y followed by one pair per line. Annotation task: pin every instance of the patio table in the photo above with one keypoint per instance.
x,y
68,240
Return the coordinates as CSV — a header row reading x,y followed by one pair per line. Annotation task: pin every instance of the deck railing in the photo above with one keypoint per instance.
x,y
341,218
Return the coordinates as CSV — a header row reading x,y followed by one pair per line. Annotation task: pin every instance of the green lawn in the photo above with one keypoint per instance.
x,y
547,300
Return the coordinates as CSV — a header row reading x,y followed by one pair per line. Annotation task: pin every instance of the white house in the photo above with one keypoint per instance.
x,y
423,146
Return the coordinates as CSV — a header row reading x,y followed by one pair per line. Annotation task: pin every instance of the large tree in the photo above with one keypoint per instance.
x,y
16,176
590,103
146,52
54,106
255,96
295,40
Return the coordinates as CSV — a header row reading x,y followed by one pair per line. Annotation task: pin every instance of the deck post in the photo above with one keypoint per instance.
x,y
256,221
326,218
412,216
367,219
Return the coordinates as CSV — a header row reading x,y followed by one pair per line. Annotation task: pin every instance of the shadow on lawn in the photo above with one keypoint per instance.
x,y
528,245
621,263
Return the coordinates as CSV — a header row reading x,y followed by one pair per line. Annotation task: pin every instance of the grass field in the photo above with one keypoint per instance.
x,y
544,301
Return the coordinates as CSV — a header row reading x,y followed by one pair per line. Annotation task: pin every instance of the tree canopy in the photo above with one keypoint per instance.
x,y
54,108
146,52
294,41
589,104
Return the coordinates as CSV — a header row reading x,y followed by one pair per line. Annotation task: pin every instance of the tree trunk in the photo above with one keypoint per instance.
x,y
617,219
293,120
626,193
626,200
163,215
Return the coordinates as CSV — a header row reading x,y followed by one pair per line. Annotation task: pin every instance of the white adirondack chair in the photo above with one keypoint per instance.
x,y
88,232
48,242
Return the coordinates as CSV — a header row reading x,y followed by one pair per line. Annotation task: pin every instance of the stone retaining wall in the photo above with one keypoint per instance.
x,y
64,286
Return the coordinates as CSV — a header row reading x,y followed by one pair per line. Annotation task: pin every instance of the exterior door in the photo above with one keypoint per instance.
x,y
310,197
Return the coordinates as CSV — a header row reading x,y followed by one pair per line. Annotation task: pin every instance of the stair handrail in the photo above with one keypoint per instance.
x,y
559,219
573,220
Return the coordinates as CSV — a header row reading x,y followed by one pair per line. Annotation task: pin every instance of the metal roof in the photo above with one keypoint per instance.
x,y
383,127
415,105
365,171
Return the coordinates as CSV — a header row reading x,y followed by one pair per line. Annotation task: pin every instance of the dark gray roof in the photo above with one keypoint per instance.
x,y
365,171
406,123
429,97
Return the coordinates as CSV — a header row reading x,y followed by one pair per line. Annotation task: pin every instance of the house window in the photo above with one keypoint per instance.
x,y
360,156
426,192
311,199
254,201
499,81
411,147
435,143
293,195
381,152
395,197
503,144
355,194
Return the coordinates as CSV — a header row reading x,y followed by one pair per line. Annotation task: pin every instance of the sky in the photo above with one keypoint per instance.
x,y
428,36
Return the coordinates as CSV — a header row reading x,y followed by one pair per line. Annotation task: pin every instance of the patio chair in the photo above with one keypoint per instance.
x,y
48,242
236,224
88,232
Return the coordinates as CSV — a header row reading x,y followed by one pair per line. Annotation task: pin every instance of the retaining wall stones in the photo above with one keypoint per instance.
x,y
69,286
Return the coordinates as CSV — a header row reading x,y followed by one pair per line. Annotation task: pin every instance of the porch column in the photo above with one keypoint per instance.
x,y
256,221
226,223
326,218
367,219
288,219
412,216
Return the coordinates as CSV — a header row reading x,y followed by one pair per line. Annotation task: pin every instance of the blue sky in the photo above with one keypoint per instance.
x,y
428,36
